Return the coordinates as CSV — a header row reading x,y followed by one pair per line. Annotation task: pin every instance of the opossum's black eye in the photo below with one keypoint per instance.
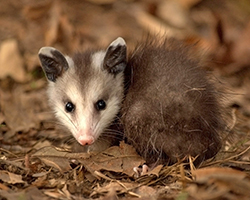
x,y
69,107
100,105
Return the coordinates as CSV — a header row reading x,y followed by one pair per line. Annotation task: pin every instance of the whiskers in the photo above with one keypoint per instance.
x,y
116,134
69,140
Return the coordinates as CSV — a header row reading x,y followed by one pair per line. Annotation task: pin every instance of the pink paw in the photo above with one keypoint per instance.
x,y
141,170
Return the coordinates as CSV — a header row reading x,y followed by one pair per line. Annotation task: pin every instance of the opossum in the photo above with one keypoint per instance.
x,y
160,96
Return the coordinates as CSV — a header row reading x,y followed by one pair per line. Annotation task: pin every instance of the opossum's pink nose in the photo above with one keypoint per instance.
x,y
85,140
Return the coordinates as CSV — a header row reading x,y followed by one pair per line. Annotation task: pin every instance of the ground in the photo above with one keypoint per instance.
x,y
37,160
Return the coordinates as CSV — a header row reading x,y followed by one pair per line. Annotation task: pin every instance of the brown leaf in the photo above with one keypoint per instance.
x,y
19,115
240,53
54,158
11,178
3,187
102,2
66,192
31,62
28,193
204,174
60,28
52,32
35,11
188,3
62,164
146,191
154,26
175,14
42,144
54,194
114,187
11,62
118,159
53,152
219,182
58,159
40,182
155,171
2,118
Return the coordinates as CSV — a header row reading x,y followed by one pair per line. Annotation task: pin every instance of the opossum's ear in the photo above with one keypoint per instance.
x,y
115,59
53,62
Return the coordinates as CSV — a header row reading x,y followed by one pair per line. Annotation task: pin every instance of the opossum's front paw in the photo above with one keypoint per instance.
x,y
141,170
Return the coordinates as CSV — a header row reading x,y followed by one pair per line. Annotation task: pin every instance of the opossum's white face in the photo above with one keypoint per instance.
x,y
86,90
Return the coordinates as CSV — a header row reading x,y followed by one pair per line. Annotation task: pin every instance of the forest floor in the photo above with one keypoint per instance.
x,y
36,157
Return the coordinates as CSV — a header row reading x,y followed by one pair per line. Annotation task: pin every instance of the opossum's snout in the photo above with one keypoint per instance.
x,y
85,140
85,137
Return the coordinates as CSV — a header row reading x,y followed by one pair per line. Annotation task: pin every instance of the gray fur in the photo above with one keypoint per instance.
x,y
171,109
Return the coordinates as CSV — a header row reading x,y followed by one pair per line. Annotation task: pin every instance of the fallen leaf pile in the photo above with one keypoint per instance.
x,y
39,159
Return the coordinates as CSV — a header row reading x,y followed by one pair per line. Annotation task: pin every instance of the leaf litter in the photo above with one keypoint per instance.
x,y
40,160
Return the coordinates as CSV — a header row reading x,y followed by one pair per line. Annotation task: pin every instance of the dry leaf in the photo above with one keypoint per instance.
x,y
66,192
3,187
31,62
59,28
2,118
155,171
52,32
118,159
41,181
36,11
175,14
11,178
62,164
188,3
42,144
11,62
53,152
217,183
27,193
58,159
19,115
40,174
146,191
203,175
118,187
155,27
102,1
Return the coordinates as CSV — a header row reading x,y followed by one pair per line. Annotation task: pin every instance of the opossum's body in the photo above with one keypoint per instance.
x,y
170,110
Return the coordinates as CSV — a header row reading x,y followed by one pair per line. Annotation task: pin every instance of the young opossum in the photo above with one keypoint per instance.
x,y
170,110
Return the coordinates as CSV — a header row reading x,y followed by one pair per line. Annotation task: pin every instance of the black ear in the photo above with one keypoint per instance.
x,y
115,59
53,62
